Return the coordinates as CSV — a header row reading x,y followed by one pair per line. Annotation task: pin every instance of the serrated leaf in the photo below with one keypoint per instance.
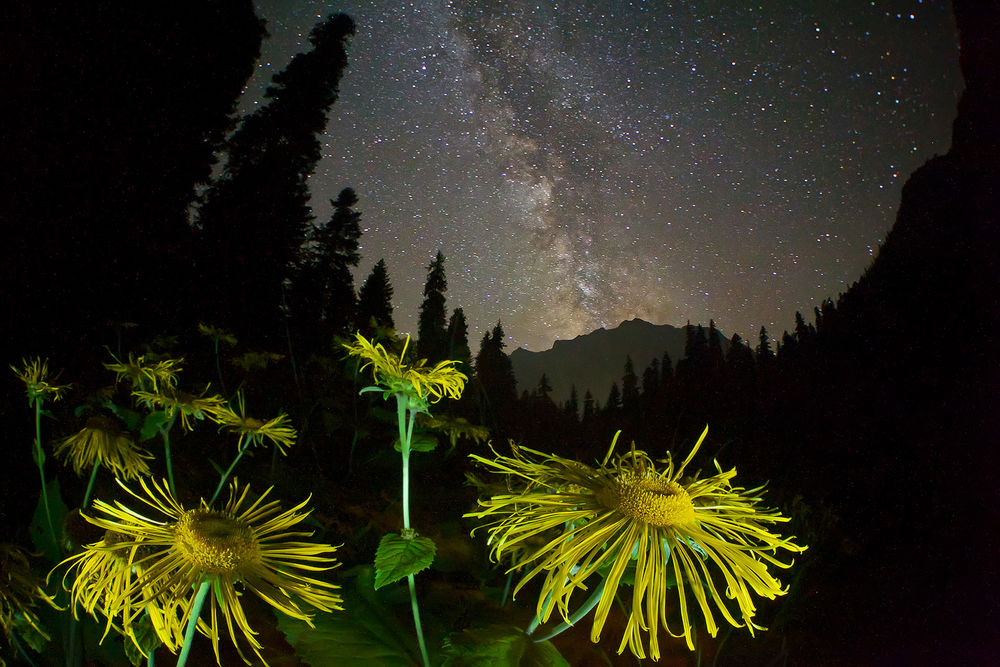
x,y
152,424
421,442
500,646
399,557
366,633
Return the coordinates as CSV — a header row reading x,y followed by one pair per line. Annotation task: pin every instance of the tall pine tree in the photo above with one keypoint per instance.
x,y
458,341
322,290
375,301
432,329
255,216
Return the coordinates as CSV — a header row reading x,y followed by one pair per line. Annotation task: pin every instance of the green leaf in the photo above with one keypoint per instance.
x,y
131,418
145,636
421,442
500,646
399,557
152,424
368,632
41,536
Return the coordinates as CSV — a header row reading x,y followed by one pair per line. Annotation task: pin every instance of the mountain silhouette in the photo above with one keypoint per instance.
x,y
594,361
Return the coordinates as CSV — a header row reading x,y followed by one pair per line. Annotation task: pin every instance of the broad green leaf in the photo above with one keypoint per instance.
x,y
399,557
152,424
421,442
41,536
131,418
500,646
367,632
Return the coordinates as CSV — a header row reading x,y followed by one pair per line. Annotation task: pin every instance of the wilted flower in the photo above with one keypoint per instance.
x,y
38,384
624,514
101,441
145,374
20,592
174,402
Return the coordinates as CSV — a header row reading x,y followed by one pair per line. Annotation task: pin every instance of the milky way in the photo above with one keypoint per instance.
x,y
584,163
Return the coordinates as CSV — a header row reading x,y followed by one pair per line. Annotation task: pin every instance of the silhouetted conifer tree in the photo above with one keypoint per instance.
x,y
497,384
614,403
255,216
715,356
432,329
322,296
764,352
589,409
375,301
572,407
630,388
458,341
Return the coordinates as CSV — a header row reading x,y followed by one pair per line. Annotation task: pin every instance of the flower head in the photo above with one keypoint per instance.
x,y
216,334
244,545
174,402
426,385
254,430
627,515
20,592
101,441
145,374
35,376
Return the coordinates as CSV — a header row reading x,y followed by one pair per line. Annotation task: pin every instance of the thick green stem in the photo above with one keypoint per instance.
x,y
225,475
40,460
90,484
199,600
405,438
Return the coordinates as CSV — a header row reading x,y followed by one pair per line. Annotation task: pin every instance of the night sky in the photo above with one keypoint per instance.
x,y
584,163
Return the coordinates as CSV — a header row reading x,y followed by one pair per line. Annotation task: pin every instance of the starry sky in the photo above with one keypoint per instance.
x,y
584,163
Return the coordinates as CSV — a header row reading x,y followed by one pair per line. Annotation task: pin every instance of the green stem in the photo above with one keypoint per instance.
x,y
40,459
591,602
90,484
199,600
405,438
225,475
165,434
218,366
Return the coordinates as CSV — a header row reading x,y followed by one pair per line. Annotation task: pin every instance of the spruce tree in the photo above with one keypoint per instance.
x,y
630,387
458,341
432,329
572,407
764,352
375,301
255,216
322,290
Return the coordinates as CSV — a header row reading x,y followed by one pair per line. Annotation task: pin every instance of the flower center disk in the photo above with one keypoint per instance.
x,y
217,543
654,500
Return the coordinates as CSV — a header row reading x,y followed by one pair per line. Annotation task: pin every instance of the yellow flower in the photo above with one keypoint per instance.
x,y
35,376
455,428
102,441
173,402
243,545
217,334
625,514
416,381
104,574
276,430
146,374
19,592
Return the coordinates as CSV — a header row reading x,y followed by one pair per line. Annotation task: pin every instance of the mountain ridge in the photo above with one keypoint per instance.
x,y
597,359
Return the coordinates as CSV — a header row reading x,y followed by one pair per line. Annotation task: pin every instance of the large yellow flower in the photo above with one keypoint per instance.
x,y
254,430
624,514
244,544
430,384
101,441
